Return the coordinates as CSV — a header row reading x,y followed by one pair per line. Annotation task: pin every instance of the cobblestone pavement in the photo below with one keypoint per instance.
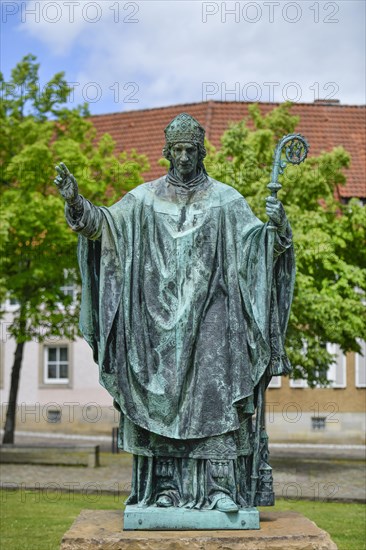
x,y
316,472
316,479
113,475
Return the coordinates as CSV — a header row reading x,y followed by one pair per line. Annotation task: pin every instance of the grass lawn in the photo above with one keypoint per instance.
x,y
31,520
34,520
346,523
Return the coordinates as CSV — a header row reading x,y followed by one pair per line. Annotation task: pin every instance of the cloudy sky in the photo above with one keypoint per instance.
x,y
141,54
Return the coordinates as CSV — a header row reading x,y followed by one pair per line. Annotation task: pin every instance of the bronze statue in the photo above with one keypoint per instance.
x,y
185,302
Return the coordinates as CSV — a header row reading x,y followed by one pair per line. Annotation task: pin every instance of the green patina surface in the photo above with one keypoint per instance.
x,y
185,303
157,519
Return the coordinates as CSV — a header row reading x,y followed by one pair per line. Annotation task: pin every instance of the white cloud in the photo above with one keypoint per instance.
x,y
171,51
58,24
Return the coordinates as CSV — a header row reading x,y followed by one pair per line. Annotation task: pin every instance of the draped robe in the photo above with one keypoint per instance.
x,y
185,303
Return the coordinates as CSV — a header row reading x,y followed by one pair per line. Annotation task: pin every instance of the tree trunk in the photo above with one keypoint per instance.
x,y
9,427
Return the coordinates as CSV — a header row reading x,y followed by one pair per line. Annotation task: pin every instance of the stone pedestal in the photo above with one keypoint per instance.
x,y
102,530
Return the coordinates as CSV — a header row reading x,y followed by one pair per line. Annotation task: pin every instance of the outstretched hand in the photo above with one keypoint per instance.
x,y
275,211
66,184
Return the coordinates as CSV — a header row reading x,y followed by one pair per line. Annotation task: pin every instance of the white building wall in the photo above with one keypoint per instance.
x,y
296,427
86,407
84,404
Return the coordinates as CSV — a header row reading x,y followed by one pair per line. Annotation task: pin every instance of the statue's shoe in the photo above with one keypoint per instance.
x,y
226,504
164,501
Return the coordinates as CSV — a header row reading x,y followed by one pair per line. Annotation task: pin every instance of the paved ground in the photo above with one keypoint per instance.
x,y
290,450
316,472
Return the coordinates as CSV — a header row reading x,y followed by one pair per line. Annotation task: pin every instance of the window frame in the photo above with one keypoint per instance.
x,y
2,364
70,290
275,383
358,359
9,307
335,349
298,384
60,383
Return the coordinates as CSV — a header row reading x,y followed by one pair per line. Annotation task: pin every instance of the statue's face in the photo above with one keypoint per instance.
x,y
185,159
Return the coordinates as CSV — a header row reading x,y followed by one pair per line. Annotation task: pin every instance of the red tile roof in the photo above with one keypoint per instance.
x,y
325,125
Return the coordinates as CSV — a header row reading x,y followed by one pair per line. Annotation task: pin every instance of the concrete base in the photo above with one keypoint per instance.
x,y
102,530
153,518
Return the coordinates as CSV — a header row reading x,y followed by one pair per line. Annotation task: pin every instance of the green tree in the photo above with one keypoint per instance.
x,y
329,301
38,249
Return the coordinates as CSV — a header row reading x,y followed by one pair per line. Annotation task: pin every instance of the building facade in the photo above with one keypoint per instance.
x,y
59,385
59,389
331,414
60,392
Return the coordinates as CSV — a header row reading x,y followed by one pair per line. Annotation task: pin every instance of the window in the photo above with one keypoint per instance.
x,y
275,382
69,290
318,423
360,366
11,304
53,416
298,383
337,372
56,365
2,349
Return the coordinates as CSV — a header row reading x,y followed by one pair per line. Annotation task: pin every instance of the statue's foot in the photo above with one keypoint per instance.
x,y
164,501
226,504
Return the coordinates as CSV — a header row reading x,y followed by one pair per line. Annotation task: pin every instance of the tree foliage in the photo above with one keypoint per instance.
x,y
37,243
37,247
329,237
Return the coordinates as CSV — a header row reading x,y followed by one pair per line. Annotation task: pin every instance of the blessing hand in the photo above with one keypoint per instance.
x,y
66,184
